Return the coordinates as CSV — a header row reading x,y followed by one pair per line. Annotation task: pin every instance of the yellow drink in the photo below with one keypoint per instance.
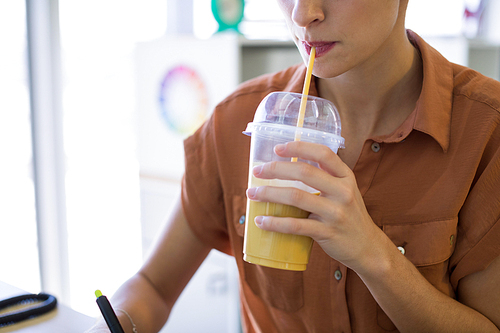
x,y
273,249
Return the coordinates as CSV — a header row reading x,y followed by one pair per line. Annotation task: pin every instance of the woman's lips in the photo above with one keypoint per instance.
x,y
321,47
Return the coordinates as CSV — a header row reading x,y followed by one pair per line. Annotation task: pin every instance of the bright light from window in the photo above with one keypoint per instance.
x,y
18,236
98,38
204,24
435,18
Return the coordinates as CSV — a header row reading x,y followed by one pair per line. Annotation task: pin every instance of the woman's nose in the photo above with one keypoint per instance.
x,y
306,12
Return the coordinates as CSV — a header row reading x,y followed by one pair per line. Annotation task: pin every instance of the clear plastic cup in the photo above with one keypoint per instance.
x,y
274,123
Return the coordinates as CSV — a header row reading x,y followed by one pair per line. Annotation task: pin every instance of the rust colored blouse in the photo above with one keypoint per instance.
x,y
433,186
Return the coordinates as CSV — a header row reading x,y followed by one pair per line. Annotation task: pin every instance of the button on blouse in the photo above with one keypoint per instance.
x,y
375,147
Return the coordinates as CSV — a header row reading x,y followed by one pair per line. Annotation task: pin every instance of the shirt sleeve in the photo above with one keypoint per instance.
x,y
202,195
478,236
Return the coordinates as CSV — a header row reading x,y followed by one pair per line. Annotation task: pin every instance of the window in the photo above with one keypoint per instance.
x,y
102,180
18,232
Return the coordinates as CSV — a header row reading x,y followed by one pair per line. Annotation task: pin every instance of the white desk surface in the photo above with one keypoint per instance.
x,y
63,319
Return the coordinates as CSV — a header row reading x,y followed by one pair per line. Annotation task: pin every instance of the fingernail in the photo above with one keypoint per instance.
x,y
279,148
251,192
259,220
257,169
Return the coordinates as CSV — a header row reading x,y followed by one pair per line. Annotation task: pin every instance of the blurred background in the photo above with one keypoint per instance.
x,y
96,98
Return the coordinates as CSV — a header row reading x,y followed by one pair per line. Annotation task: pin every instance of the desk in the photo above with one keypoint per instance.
x,y
62,319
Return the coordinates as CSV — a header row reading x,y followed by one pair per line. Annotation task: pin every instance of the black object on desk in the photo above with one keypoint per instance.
x,y
44,303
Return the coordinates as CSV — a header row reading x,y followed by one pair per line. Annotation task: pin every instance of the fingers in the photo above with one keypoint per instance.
x,y
284,195
321,154
299,171
334,179
319,206
289,225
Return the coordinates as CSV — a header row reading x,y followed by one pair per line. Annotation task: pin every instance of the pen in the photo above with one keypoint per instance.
x,y
108,313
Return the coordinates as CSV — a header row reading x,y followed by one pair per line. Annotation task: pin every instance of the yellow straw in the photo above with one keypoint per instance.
x,y
305,92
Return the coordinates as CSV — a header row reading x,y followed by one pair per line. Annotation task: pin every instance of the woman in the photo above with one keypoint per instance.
x,y
406,228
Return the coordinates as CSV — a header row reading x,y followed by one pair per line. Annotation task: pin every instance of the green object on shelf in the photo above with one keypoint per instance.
x,y
228,13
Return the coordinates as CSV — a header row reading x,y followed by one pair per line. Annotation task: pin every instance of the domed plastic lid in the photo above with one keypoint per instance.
x,y
321,117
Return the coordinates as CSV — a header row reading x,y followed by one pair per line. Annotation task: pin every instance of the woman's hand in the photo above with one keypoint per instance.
x,y
339,221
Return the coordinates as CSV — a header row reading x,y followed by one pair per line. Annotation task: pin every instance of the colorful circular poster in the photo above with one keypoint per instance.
x,y
183,100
